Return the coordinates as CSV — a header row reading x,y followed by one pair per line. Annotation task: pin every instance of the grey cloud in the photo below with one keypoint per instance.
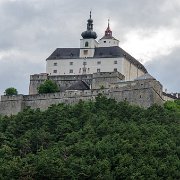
x,y
166,69
16,73
37,27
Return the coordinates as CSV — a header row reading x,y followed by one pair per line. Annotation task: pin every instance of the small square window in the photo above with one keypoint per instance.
x,y
115,69
115,62
84,70
99,62
98,70
71,63
55,71
55,64
85,52
71,71
84,63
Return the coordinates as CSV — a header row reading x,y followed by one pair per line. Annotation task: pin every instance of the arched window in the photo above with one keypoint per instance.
x,y
86,44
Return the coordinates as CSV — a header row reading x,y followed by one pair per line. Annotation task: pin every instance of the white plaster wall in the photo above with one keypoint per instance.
x,y
108,42
92,43
63,65
130,71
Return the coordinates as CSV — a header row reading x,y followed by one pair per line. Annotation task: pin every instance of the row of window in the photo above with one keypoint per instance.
x,y
84,63
84,70
87,44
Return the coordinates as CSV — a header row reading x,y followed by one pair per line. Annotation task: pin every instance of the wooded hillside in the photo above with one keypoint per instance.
x,y
92,140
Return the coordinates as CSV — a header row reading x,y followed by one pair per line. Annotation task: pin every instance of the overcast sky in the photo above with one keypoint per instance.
x,y
30,30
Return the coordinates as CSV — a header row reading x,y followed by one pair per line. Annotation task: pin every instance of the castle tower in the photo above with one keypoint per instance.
x,y
88,43
108,40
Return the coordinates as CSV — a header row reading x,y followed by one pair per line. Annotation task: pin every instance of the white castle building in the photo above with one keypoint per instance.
x,y
94,56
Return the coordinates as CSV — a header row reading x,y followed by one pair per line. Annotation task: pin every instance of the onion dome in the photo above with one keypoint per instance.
x,y
89,33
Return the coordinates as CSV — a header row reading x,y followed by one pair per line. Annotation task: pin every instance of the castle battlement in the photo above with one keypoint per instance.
x,y
143,93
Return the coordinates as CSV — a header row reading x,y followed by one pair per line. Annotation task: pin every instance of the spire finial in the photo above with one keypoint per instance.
x,y
108,32
90,14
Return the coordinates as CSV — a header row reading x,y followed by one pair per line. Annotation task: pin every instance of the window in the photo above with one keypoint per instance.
x,y
98,70
85,52
55,71
104,41
55,64
84,70
71,71
115,62
99,62
86,44
79,70
115,69
71,63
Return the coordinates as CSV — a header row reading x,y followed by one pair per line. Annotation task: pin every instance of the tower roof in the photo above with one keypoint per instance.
x,y
108,33
89,33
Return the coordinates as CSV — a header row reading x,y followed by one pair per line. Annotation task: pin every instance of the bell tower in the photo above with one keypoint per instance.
x,y
88,43
108,40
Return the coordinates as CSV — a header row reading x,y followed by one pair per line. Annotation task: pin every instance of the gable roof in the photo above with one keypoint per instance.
x,y
80,85
65,53
100,52
170,95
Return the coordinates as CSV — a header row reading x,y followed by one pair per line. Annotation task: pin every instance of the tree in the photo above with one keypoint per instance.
x,y
101,139
48,87
11,91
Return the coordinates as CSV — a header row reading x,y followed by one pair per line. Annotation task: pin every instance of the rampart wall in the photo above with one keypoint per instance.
x,y
142,93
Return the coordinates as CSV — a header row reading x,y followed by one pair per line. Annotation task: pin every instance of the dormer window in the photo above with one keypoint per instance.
x,y
86,44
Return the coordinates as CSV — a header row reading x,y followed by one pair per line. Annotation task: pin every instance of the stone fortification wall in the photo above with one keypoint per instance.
x,y
63,81
142,92
104,79
95,81
11,104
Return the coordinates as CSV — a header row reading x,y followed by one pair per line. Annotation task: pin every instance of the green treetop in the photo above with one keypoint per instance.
x,y
48,87
11,91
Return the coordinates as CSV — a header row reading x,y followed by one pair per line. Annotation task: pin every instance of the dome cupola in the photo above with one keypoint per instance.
x,y
89,33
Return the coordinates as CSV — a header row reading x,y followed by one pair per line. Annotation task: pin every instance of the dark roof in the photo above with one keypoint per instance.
x,y
65,53
80,85
100,52
170,95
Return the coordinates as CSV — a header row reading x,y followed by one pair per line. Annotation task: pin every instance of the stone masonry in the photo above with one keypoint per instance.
x,y
141,92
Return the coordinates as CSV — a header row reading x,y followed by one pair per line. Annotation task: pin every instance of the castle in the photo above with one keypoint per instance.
x,y
82,73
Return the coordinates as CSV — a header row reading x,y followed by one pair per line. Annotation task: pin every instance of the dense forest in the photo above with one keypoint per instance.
x,y
104,139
